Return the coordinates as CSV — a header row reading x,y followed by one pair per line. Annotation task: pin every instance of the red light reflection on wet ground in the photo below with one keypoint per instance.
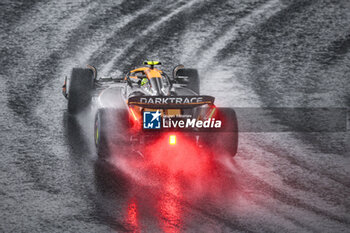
x,y
132,222
185,157
169,176
169,207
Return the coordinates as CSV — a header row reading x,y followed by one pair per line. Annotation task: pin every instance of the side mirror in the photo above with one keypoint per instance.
x,y
128,79
176,68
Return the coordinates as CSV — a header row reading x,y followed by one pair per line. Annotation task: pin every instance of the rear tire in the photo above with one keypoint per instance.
x,y
101,134
225,140
192,79
80,88
228,140
111,131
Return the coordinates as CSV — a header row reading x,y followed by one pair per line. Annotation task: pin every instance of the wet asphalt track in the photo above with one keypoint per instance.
x,y
250,54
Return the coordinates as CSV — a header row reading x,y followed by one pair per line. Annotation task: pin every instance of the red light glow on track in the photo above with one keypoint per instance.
x,y
170,207
184,157
132,216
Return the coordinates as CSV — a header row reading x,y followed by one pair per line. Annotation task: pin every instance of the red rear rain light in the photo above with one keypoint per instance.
x,y
212,111
172,139
133,113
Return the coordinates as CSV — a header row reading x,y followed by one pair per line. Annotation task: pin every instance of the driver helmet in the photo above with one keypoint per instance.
x,y
144,81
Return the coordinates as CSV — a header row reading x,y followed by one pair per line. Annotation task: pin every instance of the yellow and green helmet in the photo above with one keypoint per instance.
x,y
144,81
152,63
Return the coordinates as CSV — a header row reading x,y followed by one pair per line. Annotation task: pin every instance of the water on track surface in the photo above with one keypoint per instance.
x,y
269,53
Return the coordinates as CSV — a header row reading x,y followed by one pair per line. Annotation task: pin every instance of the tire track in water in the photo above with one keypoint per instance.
x,y
301,38
227,39
285,197
279,202
39,168
207,59
258,215
125,37
32,70
24,83
295,68
169,39
228,15
207,21
15,10
312,184
296,160
336,51
112,64
96,49
242,42
36,167
69,41
243,25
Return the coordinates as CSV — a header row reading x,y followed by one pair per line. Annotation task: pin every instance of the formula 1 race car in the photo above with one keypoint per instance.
x,y
138,108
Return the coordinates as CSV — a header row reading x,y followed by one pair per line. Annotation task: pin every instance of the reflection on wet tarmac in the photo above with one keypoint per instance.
x,y
152,192
131,221
171,216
